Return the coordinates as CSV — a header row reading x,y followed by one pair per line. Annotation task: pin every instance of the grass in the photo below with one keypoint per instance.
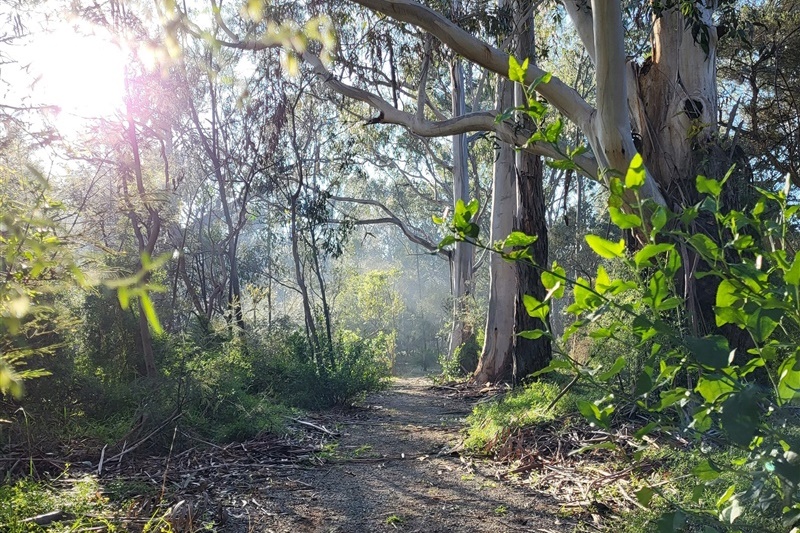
x,y
394,520
674,485
80,499
526,406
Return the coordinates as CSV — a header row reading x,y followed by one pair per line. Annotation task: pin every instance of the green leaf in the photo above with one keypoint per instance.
x,y
544,78
659,218
615,369
668,398
711,351
643,256
706,471
551,280
792,276
447,241
624,220
562,164
150,312
751,365
657,289
516,72
535,308
518,238
728,295
593,413
472,208
727,495
762,322
533,334
712,386
644,495
644,383
552,131
709,186
646,430
740,416
635,177
671,522
605,248
788,379
643,328
602,282
585,299
707,248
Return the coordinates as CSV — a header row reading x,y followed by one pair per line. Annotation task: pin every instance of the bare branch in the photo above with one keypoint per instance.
x,y
470,122
391,218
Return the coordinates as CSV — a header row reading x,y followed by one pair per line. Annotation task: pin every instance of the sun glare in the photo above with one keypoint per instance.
x,y
81,72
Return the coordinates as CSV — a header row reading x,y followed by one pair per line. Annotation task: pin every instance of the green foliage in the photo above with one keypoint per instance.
x,y
525,406
83,502
691,381
684,379
362,366
33,265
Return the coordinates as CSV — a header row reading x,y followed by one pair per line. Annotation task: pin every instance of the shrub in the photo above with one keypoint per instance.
x,y
684,379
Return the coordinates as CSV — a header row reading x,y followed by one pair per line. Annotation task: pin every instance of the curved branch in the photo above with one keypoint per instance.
x,y
580,13
560,95
391,218
470,122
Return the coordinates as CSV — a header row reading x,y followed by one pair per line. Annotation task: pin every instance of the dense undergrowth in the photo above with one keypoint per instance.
x,y
220,389
724,400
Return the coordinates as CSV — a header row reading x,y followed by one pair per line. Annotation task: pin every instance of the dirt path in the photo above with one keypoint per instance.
x,y
389,470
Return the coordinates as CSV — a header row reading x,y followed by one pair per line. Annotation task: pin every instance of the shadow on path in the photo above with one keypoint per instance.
x,y
388,472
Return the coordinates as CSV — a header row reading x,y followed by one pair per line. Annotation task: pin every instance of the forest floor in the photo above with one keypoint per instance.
x,y
389,464
392,469
392,463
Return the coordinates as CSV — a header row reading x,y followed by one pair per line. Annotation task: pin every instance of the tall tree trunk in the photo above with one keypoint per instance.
x,y
311,328
530,355
463,254
674,101
146,233
326,310
495,363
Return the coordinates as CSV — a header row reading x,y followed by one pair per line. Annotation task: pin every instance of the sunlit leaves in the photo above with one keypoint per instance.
x,y
535,308
518,238
789,379
516,72
709,186
605,248
554,281
636,174
624,220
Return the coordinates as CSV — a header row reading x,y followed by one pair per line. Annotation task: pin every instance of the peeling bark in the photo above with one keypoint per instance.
x,y
495,362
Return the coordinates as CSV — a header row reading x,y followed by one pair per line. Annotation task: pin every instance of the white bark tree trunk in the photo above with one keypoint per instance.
x,y
463,254
675,105
496,357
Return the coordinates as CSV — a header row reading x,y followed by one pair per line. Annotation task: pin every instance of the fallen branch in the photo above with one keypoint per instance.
x,y
323,429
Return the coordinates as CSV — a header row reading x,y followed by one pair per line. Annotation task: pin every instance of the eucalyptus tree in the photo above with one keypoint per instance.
x,y
761,81
237,117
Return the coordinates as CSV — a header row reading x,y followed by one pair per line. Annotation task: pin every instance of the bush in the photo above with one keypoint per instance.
x,y
678,376
362,366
